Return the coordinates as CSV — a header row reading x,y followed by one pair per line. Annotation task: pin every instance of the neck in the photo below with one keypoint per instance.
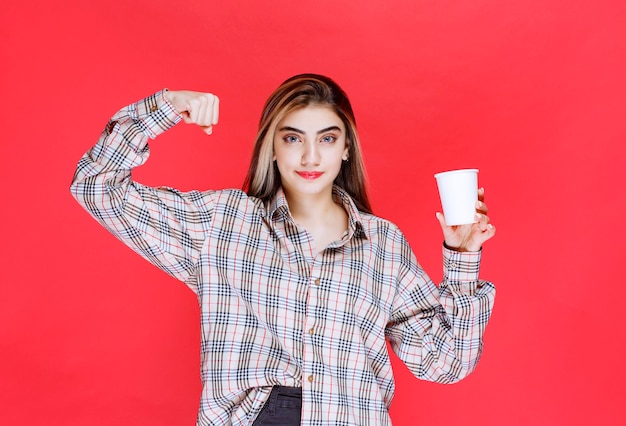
x,y
307,209
320,216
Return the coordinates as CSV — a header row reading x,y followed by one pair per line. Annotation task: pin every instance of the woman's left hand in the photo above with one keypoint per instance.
x,y
469,237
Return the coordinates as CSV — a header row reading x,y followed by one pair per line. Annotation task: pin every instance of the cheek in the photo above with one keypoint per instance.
x,y
281,157
283,162
279,153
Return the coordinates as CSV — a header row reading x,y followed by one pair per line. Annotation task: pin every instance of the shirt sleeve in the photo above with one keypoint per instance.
x,y
165,226
438,331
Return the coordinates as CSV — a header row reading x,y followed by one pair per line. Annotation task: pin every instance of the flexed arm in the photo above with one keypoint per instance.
x,y
164,225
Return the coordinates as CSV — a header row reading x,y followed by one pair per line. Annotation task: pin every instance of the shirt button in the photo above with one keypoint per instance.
x,y
317,281
153,108
453,265
310,378
311,331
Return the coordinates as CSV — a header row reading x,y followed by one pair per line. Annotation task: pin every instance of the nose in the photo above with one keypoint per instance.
x,y
310,154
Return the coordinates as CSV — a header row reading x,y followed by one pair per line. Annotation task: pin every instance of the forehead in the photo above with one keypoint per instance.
x,y
312,117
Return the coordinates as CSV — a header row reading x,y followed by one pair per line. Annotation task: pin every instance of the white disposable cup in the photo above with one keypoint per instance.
x,y
458,190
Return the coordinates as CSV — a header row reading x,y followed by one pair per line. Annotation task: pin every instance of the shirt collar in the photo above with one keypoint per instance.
x,y
278,209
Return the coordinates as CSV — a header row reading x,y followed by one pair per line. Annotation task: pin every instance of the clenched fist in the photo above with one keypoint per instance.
x,y
196,107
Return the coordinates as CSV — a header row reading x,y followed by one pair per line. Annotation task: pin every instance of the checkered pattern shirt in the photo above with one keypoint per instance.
x,y
272,311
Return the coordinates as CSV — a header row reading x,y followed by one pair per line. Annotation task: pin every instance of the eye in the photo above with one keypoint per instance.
x,y
291,139
329,139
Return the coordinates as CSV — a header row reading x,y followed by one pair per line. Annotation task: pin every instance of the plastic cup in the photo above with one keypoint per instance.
x,y
458,191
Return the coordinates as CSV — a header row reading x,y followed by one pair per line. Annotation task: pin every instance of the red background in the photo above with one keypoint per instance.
x,y
530,92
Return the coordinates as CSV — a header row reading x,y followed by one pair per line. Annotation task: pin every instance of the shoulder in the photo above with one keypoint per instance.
x,y
235,200
376,227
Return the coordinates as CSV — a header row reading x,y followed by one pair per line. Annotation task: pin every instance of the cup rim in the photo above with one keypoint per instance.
x,y
449,172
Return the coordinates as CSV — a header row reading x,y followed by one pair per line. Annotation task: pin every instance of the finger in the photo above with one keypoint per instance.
x,y
216,110
481,194
207,111
490,232
481,207
482,221
192,111
197,108
207,129
204,110
441,219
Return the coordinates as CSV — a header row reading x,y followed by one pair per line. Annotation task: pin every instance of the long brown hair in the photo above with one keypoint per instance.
x,y
263,179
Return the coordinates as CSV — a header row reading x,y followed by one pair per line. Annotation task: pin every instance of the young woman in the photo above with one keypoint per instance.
x,y
299,285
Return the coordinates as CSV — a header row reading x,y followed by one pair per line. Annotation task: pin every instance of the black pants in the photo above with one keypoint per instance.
x,y
283,408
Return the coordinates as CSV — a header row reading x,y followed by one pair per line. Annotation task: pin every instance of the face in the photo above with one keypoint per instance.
x,y
309,147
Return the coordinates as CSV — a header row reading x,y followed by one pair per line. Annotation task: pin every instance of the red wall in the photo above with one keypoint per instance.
x,y
530,92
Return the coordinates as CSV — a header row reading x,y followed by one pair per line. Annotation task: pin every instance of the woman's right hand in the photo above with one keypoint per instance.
x,y
196,107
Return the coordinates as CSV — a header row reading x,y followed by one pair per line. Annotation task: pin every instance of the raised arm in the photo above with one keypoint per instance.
x,y
165,226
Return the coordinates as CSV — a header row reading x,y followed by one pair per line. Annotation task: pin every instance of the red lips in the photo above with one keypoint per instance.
x,y
309,175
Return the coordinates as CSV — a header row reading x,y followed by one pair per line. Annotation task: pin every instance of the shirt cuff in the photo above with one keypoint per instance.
x,y
155,114
461,266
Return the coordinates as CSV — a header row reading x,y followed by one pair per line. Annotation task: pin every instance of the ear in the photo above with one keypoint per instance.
x,y
346,153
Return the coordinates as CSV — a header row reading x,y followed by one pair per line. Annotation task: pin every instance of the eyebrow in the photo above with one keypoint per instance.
x,y
293,129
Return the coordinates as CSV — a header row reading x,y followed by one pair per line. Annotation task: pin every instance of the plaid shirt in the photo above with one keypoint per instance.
x,y
273,312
